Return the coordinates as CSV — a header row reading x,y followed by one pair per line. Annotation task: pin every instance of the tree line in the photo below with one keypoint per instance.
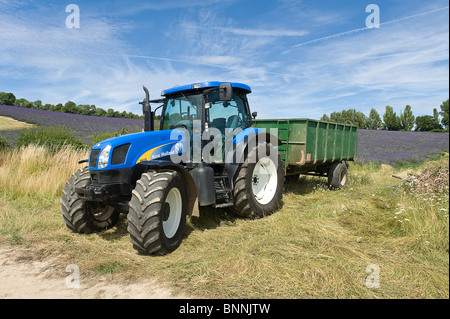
x,y
405,121
68,107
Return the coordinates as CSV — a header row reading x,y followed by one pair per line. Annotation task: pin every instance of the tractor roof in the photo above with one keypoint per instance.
x,y
202,85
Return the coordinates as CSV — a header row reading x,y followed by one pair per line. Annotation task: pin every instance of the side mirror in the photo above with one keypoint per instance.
x,y
225,92
254,114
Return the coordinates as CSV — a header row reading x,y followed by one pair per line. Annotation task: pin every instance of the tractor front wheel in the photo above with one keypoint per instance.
x,y
83,216
157,213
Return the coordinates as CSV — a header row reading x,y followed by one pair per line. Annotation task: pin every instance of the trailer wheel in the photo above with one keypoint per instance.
x,y
259,182
157,213
82,216
338,175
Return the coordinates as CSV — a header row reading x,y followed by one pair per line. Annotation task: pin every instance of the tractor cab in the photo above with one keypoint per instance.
x,y
206,105
207,111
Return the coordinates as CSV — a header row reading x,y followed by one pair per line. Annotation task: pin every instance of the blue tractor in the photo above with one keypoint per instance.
x,y
205,153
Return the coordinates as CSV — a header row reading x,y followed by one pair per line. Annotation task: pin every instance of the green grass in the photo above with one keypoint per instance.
x,y
317,245
53,138
7,123
4,143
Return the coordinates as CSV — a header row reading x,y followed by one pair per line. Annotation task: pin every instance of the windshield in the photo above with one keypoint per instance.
x,y
181,110
225,115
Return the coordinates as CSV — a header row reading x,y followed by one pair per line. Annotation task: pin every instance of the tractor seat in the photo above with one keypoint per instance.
x,y
219,123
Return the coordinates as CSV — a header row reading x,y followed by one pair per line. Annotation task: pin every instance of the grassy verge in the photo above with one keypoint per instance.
x,y
317,246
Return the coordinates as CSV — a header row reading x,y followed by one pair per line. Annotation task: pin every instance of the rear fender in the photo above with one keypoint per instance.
x,y
237,151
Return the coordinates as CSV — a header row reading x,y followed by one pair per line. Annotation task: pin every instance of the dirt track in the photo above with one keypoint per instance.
x,y
24,275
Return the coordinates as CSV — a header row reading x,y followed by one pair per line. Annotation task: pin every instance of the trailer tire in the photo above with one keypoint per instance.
x,y
157,212
82,216
338,175
256,200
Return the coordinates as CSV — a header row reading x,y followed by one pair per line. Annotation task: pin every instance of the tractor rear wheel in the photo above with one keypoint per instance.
x,y
157,213
82,216
258,185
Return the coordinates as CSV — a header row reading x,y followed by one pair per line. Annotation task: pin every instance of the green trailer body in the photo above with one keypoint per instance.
x,y
311,145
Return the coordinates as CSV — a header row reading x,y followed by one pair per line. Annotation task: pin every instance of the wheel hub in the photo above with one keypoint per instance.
x,y
166,211
100,211
264,180
171,212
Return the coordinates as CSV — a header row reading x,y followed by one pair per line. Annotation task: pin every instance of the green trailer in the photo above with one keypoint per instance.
x,y
313,147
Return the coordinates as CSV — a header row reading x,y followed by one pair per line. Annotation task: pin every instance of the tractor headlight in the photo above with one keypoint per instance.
x,y
104,157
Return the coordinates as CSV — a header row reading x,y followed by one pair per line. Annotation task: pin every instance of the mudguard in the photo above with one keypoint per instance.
x,y
188,180
248,138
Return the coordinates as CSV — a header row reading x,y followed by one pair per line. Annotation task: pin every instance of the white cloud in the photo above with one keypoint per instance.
x,y
264,32
401,63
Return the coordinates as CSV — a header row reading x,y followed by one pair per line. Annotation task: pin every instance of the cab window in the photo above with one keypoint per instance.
x,y
226,114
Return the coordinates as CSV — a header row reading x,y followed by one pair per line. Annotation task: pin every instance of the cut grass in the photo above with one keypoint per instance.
x,y
317,246
7,123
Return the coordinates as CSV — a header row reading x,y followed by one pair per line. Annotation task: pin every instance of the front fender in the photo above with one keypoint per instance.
x,y
188,181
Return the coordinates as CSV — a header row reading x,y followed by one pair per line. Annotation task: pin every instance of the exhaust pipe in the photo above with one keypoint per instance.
x,y
149,123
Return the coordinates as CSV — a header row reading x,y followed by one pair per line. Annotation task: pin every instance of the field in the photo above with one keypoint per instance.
x,y
83,125
400,148
394,148
320,244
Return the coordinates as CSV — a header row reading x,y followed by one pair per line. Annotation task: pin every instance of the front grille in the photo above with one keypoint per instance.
x,y
119,154
93,158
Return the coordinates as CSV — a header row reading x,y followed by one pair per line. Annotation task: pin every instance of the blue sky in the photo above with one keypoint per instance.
x,y
301,58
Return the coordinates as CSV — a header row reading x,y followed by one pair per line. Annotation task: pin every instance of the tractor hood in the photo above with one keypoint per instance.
x,y
127,150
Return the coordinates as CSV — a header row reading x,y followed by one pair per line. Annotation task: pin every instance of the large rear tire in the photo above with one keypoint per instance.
x,y
157,213
258,185
82,216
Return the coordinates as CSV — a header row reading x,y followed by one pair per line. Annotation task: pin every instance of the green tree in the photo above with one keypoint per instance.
x,y
69,107
349,117
336,117
407,119
110,113
391,120
84,109
23,103
59,107
436,115
427,123
7,98
354,117
100,112
444,114
37,104
373,122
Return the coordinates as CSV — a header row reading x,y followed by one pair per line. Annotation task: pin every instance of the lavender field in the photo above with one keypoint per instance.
x,y
379,146
82,125
397,147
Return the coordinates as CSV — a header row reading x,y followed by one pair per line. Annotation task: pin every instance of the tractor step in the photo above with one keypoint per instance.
x,y
224,205
220,176
223,191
